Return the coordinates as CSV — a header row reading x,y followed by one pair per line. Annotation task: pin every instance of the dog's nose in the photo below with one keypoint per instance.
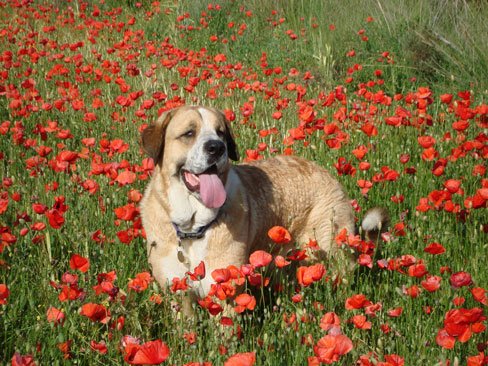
x,y
214,148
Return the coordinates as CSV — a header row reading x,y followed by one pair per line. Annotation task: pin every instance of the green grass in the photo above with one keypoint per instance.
x,y
440,45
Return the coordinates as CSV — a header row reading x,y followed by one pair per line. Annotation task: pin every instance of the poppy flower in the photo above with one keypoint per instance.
x,y
198,272
212,307
260,258
460,279
96,312
126,177
360,322
280,261
330,320
79,262
141,282
393,313
244,301
241,359
221,275
55,316
150,353
4,293
308,275
432,283
18,360
435,248
357,302
279,235
331,347
480,295
479,360
100,347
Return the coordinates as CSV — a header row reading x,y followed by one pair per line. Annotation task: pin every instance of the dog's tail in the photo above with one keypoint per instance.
x,y
375,222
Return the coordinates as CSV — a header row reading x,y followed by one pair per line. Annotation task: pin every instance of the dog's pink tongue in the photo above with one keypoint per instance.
x,y
212,190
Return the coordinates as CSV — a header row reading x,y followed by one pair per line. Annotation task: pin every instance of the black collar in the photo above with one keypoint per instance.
x,y
197,235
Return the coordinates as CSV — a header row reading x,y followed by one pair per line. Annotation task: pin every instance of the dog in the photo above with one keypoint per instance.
x,y
200,207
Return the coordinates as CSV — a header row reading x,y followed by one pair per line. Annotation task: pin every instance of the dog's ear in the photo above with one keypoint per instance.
x,y
232,150
152,138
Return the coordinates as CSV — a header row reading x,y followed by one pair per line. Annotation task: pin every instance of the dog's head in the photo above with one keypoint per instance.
x,y
193,145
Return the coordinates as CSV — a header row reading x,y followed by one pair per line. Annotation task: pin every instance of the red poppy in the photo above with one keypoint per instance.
x,y
245,301
360,322
435,248
330,320
198,272
393,313
443,339
417,270
55,316
78,262
96,312
432,283
480,295
260,258
460,279
212,307
308,275
141,282
18,360
330,347
126,177
478,360
280,261
150,353
100,347
241,359
221,275
357,302
426,141
279,235
4,293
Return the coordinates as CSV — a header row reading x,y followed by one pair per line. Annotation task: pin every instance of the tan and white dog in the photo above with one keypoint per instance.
x,y
198,206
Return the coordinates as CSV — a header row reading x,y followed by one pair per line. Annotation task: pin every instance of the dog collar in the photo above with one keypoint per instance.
x,y
197,235
181,235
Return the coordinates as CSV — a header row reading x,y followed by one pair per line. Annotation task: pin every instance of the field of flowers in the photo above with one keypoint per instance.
x,y
396,109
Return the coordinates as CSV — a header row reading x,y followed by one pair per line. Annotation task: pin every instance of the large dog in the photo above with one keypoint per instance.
x,y
199,207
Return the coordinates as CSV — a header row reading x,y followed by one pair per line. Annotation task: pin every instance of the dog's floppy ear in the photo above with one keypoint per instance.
x,y
229,139
152,138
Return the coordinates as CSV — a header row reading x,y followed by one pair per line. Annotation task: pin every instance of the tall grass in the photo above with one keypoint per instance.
x,y
440,45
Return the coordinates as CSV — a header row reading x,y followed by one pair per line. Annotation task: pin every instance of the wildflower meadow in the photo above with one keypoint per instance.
x,y
389,95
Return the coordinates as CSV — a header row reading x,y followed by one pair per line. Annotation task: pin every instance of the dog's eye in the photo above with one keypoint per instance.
x,y
221,134
189,133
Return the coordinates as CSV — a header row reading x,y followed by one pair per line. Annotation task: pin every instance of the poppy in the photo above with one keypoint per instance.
x,y
260,258
357,302
308,275
100,347
96,312
279,235
18,360
198,272
331,347
393,313
360,322
435,248
79,262
460,279
330,320
241,359
150,353
432,283
244,301
55,316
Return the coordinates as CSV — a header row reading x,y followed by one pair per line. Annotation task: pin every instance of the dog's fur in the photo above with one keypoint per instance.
x,y
284,190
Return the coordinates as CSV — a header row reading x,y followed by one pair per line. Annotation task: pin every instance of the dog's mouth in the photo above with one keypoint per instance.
x,y
208,184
